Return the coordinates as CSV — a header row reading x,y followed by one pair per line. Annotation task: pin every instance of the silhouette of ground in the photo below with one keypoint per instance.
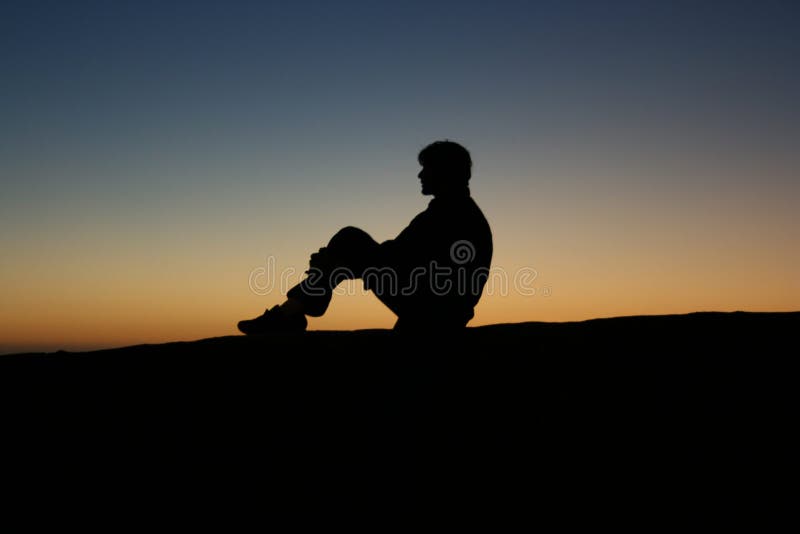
x,y
652,419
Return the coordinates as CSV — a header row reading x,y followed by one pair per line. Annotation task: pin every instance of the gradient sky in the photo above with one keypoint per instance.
x,y
642,157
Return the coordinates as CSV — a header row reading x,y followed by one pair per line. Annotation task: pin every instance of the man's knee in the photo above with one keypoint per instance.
x,y
351,239
353,248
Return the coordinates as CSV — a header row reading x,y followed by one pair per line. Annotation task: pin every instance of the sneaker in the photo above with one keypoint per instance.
x,y
272,321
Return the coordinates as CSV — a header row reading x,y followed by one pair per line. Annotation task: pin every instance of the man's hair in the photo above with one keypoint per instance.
x,y
448,156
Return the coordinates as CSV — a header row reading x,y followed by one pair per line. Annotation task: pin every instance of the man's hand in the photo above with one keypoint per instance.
x,y
322,260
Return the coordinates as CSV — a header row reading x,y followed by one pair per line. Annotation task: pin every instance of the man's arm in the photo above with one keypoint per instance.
x,y
410,247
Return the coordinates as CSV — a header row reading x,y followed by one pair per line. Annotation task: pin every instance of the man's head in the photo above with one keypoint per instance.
x,y
446,168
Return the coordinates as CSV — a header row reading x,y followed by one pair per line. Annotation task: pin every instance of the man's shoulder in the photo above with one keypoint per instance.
x,y
472,210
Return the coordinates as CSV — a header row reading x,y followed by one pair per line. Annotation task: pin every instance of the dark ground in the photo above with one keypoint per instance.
x,y
643,421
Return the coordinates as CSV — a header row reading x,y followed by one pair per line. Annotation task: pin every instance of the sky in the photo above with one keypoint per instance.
x,y
166,168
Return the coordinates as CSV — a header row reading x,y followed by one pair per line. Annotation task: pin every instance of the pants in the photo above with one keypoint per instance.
x,y
349,252
347,256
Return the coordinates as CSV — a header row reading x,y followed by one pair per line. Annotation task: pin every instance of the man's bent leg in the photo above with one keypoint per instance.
x,y
349,252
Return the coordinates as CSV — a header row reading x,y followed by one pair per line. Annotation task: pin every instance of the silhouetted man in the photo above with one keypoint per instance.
x,y
431,275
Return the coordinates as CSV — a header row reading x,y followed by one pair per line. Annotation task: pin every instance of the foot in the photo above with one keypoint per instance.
x,y
274,320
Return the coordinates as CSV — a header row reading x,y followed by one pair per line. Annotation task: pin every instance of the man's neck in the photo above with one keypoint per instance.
x,y
452,194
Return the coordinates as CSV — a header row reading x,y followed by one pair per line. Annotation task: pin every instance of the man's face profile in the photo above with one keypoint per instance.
x,y
427,177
